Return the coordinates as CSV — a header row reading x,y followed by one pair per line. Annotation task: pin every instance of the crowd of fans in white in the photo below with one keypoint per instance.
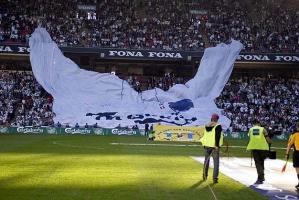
x,y
23,101
266,25
273,100
262,25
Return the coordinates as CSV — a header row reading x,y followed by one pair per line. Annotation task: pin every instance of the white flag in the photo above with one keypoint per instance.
x,y
82,96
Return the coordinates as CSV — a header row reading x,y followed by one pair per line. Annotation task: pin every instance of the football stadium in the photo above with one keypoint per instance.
x,y
149,100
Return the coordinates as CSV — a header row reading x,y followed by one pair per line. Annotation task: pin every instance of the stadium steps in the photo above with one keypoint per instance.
x,y
205,37
140,13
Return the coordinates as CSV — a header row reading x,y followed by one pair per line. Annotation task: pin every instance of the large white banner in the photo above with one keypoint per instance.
x,y
82,96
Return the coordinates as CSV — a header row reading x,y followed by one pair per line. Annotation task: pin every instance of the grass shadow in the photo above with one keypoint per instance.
x,y
195,185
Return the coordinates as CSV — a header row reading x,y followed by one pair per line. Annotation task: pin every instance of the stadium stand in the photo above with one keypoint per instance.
x,y
261,25
155,24
266,26
273,100
23,101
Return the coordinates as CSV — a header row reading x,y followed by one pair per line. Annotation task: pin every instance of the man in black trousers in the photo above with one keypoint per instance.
x,y
212,140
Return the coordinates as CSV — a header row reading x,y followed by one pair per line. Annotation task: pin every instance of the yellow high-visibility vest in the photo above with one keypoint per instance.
x,y
257,140
208,139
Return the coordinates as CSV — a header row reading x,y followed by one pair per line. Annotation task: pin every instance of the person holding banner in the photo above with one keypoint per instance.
x,y
259,141
212,140
294,142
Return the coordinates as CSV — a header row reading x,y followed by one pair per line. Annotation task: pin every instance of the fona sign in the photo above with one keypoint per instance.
x,y
145,54
8,49
285,58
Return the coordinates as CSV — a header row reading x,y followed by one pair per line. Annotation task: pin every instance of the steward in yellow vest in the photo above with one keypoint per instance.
x,y
259,145
257,139
212,140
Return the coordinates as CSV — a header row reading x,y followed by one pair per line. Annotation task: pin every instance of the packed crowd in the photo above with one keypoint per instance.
x,y
23,101
273,100
140,83
116,24
171,25
260,25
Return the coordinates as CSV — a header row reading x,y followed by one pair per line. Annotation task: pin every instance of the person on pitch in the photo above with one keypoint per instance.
x,y
294,142
259,141
212,140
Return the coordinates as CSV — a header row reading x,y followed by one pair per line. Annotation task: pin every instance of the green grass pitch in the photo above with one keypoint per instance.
x,y
88,167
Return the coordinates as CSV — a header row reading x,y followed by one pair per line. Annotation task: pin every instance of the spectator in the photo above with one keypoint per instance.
x,y
23,101
271,99
58,125
146,129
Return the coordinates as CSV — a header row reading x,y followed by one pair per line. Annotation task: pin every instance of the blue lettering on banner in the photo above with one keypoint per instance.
x,y
182,105
190,136
143,119
168,136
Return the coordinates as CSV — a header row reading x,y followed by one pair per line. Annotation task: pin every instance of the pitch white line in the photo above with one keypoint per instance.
x,y
74,146
177,145
145,144
212,192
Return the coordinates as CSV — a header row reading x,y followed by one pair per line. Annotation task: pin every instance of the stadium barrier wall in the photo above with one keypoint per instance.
x,y
244,136
70,131
166,133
